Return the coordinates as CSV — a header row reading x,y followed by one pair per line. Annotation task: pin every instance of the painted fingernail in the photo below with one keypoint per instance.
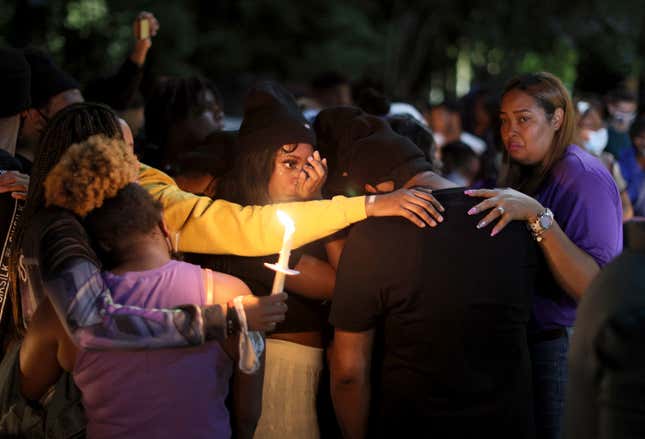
x,y
481,224
310,158
468,192
494,232
472,211
440,218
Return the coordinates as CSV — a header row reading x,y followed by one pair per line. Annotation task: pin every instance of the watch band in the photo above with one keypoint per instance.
x,y
537,227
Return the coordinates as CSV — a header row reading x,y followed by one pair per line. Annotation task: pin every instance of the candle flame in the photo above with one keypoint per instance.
x,y
287,222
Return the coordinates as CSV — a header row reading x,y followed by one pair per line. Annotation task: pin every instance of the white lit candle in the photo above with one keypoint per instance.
x,y
282,267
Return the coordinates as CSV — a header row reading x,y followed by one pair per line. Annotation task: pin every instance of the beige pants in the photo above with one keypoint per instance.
x,y
291,377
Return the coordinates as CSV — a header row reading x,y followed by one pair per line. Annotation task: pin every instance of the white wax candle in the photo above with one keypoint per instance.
x,y
285,252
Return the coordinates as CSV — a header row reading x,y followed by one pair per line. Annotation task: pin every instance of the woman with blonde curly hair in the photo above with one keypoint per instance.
x,y
96,180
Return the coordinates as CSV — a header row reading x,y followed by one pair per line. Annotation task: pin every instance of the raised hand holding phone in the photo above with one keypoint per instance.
x,y
145,27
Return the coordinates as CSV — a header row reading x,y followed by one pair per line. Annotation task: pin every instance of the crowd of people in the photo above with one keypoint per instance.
x,y
442,255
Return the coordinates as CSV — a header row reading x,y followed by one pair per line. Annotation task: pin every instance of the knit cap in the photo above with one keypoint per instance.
x,y
15,81
369,152
272,118
47,79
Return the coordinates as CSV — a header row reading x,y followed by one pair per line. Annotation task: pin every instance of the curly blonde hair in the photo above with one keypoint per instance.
x,y
90,172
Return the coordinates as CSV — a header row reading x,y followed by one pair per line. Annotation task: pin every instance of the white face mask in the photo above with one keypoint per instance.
x,y
597,141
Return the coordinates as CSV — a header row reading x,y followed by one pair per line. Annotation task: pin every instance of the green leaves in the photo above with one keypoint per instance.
x,y
408,44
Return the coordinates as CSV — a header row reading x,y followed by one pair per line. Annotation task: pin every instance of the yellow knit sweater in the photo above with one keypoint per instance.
x,y
203,225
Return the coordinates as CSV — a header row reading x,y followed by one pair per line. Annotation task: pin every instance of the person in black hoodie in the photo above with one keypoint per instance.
x,y
430,325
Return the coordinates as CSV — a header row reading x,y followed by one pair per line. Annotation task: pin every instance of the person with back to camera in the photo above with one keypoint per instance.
x,y
420,346
571,204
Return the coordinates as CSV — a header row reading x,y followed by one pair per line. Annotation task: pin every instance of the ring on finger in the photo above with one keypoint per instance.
x,y
501,210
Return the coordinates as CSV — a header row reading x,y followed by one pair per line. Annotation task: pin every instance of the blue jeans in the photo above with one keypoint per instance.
x,y
549,362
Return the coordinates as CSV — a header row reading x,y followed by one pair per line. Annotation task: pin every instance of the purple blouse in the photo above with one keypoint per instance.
x,y
586,204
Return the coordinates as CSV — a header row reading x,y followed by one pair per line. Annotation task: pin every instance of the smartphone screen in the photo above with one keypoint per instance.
x,y
144,29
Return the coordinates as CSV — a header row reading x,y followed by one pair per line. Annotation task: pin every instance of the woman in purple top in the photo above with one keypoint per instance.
x,y
161,393
572,207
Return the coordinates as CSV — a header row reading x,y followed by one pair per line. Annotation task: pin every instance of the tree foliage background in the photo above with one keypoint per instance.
x,y
411,45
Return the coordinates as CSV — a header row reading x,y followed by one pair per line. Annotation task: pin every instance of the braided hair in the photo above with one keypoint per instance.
x,y
71,125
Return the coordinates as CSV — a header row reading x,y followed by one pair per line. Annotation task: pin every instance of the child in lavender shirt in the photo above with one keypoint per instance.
x,y
161,393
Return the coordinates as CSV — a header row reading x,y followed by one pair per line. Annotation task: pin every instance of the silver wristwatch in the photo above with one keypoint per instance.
x,y
542,223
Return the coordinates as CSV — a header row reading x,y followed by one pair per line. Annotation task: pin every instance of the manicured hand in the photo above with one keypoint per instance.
x,y
417,205
507,205
15,182
312,178
263,312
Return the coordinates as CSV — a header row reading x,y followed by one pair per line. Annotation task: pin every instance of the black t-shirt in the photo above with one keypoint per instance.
x,y
452,305
304,314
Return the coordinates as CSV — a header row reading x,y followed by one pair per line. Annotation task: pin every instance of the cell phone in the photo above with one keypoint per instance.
x,y
144,28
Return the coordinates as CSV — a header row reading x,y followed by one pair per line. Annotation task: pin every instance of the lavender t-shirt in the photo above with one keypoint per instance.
x,y
586,204
163,393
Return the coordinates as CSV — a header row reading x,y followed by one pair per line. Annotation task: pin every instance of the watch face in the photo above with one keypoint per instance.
x,y
546,221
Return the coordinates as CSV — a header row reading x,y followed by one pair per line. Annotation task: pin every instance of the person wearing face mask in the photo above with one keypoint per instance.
x,y
593,135
621,109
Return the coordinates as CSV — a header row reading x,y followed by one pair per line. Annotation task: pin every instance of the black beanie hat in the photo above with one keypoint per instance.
x,y
272,118
369,151
15,82
47,79
330,128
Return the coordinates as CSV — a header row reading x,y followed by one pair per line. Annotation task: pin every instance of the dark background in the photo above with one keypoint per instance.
x,y
412,46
